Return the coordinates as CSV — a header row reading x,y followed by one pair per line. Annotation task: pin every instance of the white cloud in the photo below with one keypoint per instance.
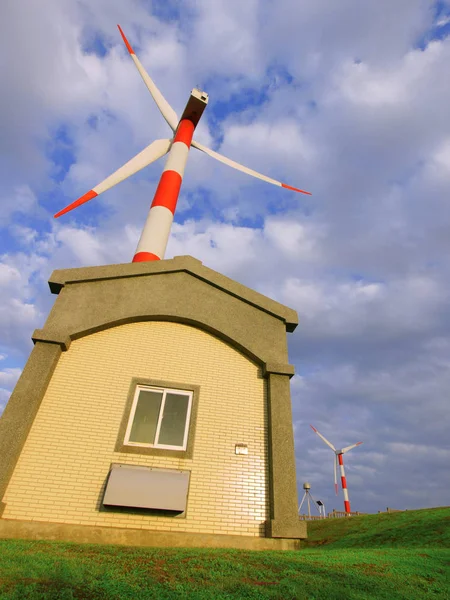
x,y
443,21
295,240
440,161
349,309
20,199
225,38
8,377
8,274
411,451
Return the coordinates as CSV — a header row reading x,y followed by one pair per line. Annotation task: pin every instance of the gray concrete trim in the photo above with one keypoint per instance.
x,y
287,528
276,309
87,534
188,264
23,405
61,277
283,479
75,335
41,335
186,454
278,369
84,308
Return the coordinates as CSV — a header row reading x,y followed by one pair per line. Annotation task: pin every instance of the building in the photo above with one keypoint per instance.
x,y
154,410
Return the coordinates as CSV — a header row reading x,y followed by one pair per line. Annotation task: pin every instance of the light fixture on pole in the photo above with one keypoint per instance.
x,y
322,508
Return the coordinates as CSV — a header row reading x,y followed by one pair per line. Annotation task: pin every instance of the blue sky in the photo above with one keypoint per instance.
x,y
349,100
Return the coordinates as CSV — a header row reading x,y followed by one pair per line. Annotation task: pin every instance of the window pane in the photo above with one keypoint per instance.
x,y
174,420
146,417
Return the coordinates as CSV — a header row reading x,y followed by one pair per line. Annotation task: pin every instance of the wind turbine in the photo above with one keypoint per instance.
x,y
155,235
339,460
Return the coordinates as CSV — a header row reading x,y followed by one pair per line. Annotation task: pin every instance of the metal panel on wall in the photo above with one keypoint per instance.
x,y
146,487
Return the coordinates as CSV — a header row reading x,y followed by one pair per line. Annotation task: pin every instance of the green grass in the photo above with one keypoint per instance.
x,y
427,528
402,555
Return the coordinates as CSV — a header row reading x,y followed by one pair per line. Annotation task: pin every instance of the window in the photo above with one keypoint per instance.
x,y
159,418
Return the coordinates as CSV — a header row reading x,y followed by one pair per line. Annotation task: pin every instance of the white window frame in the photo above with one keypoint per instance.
x,y
165,391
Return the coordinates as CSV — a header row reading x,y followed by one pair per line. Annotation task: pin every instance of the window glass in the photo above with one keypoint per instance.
x,y
174,420
146,416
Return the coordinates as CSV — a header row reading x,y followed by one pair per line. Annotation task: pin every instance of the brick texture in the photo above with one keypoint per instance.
x,y
61,473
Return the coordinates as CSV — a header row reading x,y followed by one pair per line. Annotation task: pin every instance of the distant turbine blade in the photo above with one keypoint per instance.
x,y
335,475
350,447
166,110
239,167
154,151
324,439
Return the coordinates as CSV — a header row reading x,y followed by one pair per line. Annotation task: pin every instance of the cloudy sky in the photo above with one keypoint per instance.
x,y
350,100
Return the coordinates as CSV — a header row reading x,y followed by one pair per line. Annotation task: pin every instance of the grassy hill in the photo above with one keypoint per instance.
x,y
410,529
401,555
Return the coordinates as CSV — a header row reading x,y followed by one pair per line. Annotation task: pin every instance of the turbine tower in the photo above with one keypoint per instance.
x,y
339,460
155,235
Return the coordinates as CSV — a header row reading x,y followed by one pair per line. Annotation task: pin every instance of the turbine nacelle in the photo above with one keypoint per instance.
x,y
195,106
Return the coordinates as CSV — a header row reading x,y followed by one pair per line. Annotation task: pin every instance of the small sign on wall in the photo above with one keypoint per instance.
x,y
241,449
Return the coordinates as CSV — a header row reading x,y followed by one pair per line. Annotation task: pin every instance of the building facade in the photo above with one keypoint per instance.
x,y
154,410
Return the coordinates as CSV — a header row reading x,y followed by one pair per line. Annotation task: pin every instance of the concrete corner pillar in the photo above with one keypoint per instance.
x,y
284,521
23,405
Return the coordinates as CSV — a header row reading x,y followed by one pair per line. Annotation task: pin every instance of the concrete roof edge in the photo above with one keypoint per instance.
x,y
61,277
289,315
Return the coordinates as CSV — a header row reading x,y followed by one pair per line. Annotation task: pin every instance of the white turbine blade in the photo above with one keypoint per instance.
x,y
154,151
239,167
166,110
335,475
324,439
350,447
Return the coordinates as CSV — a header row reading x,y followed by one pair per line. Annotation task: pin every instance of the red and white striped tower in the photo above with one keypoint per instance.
x,y
155,235
344,483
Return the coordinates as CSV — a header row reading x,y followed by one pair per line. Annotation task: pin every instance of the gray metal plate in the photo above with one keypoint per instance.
x,y
145,487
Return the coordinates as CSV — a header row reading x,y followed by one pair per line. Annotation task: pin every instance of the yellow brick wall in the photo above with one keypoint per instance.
x,y
70,448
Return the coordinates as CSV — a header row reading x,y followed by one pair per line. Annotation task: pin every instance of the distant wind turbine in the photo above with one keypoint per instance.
x,y
155,235
339,460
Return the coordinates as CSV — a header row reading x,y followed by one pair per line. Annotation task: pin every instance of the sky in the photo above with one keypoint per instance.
x,y
349,100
